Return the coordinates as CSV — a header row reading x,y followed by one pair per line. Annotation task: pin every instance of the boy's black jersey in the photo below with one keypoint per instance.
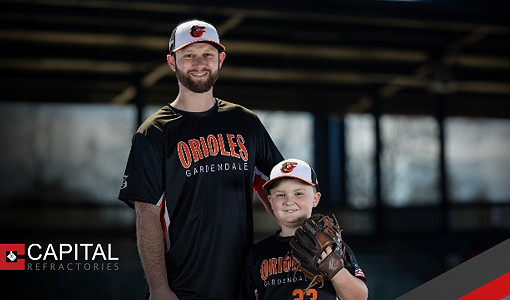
x,y
201,169
270,273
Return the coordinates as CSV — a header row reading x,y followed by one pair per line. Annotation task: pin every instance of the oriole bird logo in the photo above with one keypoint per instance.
x,y
197,31
287,167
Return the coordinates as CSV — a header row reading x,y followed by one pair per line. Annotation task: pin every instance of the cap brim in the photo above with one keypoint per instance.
x,y
268,185
220,47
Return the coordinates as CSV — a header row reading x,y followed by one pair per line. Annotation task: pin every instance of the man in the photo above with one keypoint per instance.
x,y
190,176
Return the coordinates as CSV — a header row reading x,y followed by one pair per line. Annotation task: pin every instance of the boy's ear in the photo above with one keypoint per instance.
x,y
270,199
316,199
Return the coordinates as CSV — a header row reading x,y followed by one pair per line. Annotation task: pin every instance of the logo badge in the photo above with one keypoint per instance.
x,y
334,264
288,167
10,257
197,31
124,182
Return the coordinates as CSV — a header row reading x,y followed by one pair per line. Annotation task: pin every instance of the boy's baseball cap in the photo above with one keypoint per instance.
x,y
292,168
194,31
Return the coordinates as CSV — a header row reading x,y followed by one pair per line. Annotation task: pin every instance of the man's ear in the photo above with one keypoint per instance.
x,y
221,57
170,59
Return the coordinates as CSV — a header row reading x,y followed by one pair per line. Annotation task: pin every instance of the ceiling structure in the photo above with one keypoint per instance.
x,y
319,56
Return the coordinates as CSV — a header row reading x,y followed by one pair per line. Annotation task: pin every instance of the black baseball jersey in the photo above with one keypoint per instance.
x,y
271,273
201,169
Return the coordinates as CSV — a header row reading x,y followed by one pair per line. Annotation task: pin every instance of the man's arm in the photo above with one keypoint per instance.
x,y
151,249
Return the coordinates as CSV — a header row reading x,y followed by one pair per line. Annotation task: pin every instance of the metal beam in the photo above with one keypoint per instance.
x,y
334,16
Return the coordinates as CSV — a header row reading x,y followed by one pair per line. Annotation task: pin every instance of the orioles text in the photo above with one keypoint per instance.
x,y
196,149
278,265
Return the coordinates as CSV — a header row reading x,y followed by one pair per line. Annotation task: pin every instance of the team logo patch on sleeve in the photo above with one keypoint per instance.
x,y
124,182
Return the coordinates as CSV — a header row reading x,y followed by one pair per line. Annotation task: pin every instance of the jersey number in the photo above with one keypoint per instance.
x,y
311,294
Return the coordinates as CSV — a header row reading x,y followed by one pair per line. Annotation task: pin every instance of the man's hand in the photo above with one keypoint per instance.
x,y
163,294
152,250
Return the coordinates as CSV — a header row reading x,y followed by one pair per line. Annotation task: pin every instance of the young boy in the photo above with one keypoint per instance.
x,y
270,271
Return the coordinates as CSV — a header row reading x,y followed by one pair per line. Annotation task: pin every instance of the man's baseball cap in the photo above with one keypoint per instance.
x,y
194,31
292,168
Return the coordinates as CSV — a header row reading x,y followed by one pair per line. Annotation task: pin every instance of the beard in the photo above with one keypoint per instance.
x,y
186,79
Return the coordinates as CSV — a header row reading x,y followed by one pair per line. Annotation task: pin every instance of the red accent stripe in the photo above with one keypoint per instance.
x,y
163,222
258,182
359,273
495,290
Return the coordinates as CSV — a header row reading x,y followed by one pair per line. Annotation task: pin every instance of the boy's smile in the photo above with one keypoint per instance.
x,y
292,201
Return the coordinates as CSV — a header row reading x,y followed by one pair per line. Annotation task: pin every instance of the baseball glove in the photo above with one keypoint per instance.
x,y
310,240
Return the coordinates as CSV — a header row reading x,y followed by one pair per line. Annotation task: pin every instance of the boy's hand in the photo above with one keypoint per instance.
x,y
318,248
325,254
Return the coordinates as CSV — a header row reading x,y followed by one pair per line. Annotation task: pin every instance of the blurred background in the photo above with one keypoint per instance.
x,y
402,107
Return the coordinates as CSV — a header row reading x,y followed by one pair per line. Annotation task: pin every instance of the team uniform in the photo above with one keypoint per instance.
x,y
270,273
201,169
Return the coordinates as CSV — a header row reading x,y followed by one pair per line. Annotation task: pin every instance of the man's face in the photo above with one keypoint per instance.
x,y
197,66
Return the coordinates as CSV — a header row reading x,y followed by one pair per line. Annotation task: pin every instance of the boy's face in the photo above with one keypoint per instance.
x,y
292,201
